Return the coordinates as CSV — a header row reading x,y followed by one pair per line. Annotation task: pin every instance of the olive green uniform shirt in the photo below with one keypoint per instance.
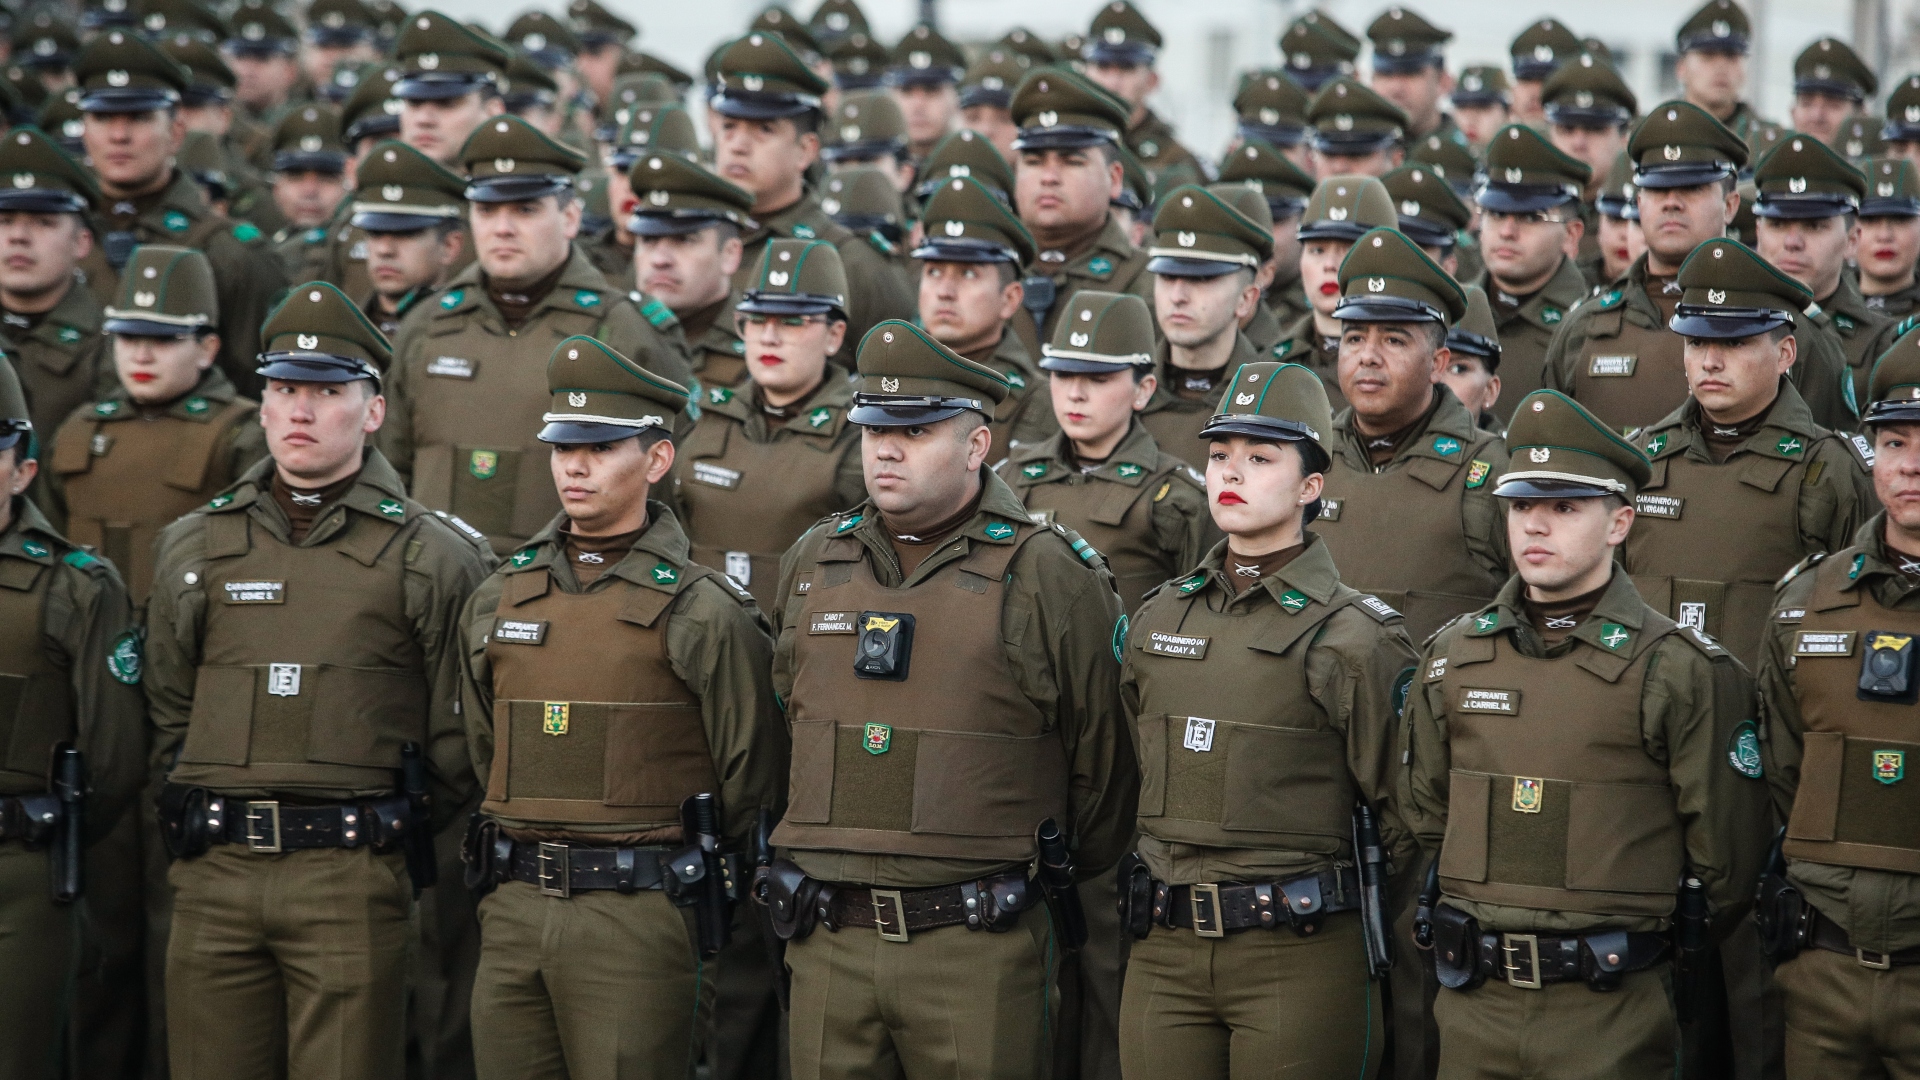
x,y
1863,333
876,289
1896,305
1153,141
1264,329
1288,302
63,360
1526,332
719,353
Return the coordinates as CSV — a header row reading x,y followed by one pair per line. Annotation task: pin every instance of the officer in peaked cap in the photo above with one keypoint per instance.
x,y
924,71
1340,211
1716,26
1272,109
836,19
1355,130
44,43
309,183
986,95
1262,328
867,202
1589,109
337,30
868,128
859,61
687,224
1453,160
1060,109
783,22
1286,187
1121,35
445,62
59,361
967,153
1482,103
1410,70
1536,54
1902,129
1431,215
120,72
1120,50
604,39
371,112
1387,279
160,18
1474,372
759,77
509,160
1530,218
1830,84
410,208
544,39
1315,49
1889,231
1713,44
532,93
1859,138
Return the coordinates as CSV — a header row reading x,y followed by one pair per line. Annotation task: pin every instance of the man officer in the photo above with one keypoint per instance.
x,y
687,224
609,679
464,393
1712,69
1410,70
975,653
443,100
304,665
1830,85
1567,832
411,209
1120,51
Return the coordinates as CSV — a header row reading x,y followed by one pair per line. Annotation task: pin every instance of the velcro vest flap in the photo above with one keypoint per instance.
x,y
1435,474
1113,506
1609,666
1607,323
367,537
193,454
1827,593
841,549
517,589
1765,473
1470,650
73,448
706,440
1283,630
19,573
645,604
227,534
1659,479
991,560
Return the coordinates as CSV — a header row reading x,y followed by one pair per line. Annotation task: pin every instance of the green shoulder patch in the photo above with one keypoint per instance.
x,y
1119,637
1100,266
198,406
1446,445
719,395
1281,350
848,524
219,502
106,408
1034,470
818,418
664,574
452,299
586,298
1743,750
247,232
659,315
68,335
880,244
1859,564
36,549
1614,636
739,348
1486,622
999,530
175,221
123,662
1551,315
313,235
1790,446
1657,444
1194,583
522,557
804,231
1611,298
1294,601
1127,470
1015,379
1843,322
79,560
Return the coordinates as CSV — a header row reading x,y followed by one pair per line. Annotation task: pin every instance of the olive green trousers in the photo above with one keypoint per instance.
x,y
1256,1003
1564,1031
595,986
747,1030
288,965
1847,1021
36,944
948,1004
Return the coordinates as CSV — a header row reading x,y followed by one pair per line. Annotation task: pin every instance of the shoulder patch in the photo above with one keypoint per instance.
x,y
247,232
175,221
123,662
848,524
804,231
523,557
586,298
314,235
68,335
453,298
1743,750
659,315
1378,608
1551,315
1477,472
393,508
1610,298
80,560
1120,638
1100,266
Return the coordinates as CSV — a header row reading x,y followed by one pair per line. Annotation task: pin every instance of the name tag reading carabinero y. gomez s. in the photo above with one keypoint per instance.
x,y
520,632
256,592
1505,702
1617,366
1183,646
1823,643
833,622
715,475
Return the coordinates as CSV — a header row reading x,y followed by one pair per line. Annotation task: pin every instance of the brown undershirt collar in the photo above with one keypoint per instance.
x,y
1245,571
591,556
1556,620
1196,384
1722,440
304,505
516,304
1053,258
912,549
1382,448
1665,293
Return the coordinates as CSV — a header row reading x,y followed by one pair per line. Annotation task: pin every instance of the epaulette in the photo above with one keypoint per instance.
x,y
1862,449
1803,565
1087,552
1381,611
247,232
465,529
80,560
658,314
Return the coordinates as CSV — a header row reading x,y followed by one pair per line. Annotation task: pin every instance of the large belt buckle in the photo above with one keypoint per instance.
x,y
1205,903
1510,945
550,865
267,811
1878,961
881,898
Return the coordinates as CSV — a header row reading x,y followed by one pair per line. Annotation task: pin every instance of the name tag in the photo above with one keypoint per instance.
x,y
452,367
1436,669
833,622
1504,702
1329,509
1660,506
520,632
1199,735
1791,614
256,592
802,585
716,476
1823,643
1612,366
1184,646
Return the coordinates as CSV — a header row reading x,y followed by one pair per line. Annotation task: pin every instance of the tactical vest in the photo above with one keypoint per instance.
x,y
1710,541
1116,518
1396,534
748,501
717,368
1176,427
36,701
1859,795
310,673
127,479
951,762
1260,770
1554,803
1629,375
590,724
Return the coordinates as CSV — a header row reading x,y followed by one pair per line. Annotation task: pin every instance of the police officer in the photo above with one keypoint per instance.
x,y
1589,111
1356,131
1341,210
1287,188
309,182
602,631
461,387
1830,85
767,111
1119,53
303,668
923,76
1483,103
1473,371
1838,749
950,670
687,223
1713,44
649,130
131,132
1529,223
1410,70
1536,55
1259,325
445,99
1890,236
1902,130
263,47
1431,215
1244,893
1272,109
411,209
1616,227
868,129
1317,49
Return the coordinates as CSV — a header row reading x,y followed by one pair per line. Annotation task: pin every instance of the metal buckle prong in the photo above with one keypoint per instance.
x,y
552,866
1509,948
881,898
267,810
1880,961
1205,902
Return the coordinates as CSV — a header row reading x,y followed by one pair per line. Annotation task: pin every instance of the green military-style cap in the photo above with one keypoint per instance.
x,y
1894,387
1100,332
61,117
1316,49
14,417
1618,198
401,190
600,396
1026,43
836,19
1560,450
1729,291
1679,144
308,140
44,42
1893,188
866,124
1345,207
1587,92
654,129
440,59
1476,334
121,72
676,195
924,58
1387,278
1266,170
548,41
1060,109
1350,120
1718,26
1527,174
966,153
161,19
907,378
964,221
1272,108
1431,215
1404,43
371,111
339,24
318,335
1541,48
797,277
759,77
644,62
1199,234
528,85
260,31
1449,157
1121,35
510,160
1138,187
778,20
388,19
597,27
1482,84
1278,403
859,61
1859,139
1802,178
990,79
632,91
42,177
1830,68
210,81
164,292
1903,111
864,200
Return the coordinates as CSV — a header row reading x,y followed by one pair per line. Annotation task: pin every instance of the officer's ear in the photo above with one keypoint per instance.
x,y
570,211
376,407
1143,388
1576,228
1789,350
176,131
659,459
732,250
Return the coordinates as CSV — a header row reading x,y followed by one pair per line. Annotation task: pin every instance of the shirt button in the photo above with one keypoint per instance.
x,y
193,578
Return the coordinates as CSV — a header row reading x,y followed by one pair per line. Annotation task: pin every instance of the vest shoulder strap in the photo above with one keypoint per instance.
x,y
227,534
1283,630
518,588
73,446
194,457
646,603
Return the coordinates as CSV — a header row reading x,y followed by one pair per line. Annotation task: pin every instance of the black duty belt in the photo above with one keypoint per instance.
x,y
1217,909
31,818
990,903
270,826
1824,933
1533,961
559,869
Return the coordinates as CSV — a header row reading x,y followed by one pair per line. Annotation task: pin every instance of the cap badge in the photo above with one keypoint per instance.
x,y
779,277
1671,153
752,82
576,399
1583,99
1539,454
534,42
956,228
25,180
889,386
1336,213
1885,191
1543,53
1269,116
920,60
849,132
392,192
307,341
143,299
1716,296
310,143
1513,176
1114,35
1376,284
428,61
1079,341
1913,114
116,78
1343,122
505,164
1186,239
1721,29
1822,71
1049,118
1243,399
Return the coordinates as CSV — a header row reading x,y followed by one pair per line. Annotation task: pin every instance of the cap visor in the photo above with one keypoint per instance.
x,y
329,162
568,433
1879,208
965,251
1801,207
1694,174
867,150
1250,425
1895,132
1730,45
1530,70
1726,327
1386,309
974,97
1892,412
1464,341
1169,266
42,201
149,328
1426,233
884,416
1536,488
1130,54
313,367
743,106
1590,119
755,303
382,222
1832,88
1619,209
1074,365
1520,200
847,81
131,100
1332,230
1062,138
1353,143
439,87
671,224
934,76
506,189
1407,64
1284,137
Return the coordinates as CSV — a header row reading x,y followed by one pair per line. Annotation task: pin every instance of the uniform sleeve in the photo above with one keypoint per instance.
x,y
176,613
1834,508
1182,525
722,648
663,352
1427,760
245,444
476,674
88,617
1556,370
440,577
878,293
850,479
1781,726
395,437
1359,670
1484,520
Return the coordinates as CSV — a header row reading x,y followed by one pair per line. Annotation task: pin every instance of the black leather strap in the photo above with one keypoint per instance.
x,y
1299,901
267,825
31,818
1530,961
1824,933
985,904
561,869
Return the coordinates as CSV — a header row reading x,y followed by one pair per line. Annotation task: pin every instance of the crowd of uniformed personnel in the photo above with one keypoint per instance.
x,y
519,560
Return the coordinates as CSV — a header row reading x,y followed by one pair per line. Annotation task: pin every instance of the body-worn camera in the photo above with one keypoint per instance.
x,y
886,645
1886,668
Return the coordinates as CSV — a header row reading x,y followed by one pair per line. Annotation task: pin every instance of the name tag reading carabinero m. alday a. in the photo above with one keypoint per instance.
x,y
1184,646
256,592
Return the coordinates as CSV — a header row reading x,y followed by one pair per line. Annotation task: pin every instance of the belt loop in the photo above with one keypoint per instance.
x,y
1205,902
350,819
882,898
1263,903
623,870
976,904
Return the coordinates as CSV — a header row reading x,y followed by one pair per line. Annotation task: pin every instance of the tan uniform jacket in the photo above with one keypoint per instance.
x,y
1175,415
1109,264
63,361
1526,333
1864,334
1153,141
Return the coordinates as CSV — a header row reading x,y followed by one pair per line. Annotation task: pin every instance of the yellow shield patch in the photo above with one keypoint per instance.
x,y
553,719
1528,793
483,464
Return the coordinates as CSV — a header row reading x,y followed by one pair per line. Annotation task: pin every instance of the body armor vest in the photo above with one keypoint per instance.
x,y
126,480
1554,803
590,724
1629,375
1176,426
1856,804
954,761
748,501
310,673
1116,518
1260,770
36,700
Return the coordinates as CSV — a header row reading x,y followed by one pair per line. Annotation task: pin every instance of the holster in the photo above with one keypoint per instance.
x,y
1004,898
183,820
484,851
1136,896
1781,914
791,898
33,819
1456,949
